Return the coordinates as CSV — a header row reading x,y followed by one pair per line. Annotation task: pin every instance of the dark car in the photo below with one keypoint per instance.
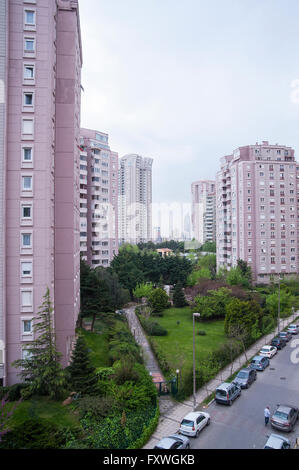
x,y
279,343
245,377
259,363
285,417
285,335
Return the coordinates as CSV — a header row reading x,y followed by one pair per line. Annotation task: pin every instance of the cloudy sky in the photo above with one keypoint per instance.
x,y
186,82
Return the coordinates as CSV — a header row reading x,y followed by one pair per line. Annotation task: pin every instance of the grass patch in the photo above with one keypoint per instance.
x,y
44,408
177,346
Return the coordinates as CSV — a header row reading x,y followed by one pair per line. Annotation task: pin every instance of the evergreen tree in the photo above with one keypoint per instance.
x,y
82,375
179,299
41,369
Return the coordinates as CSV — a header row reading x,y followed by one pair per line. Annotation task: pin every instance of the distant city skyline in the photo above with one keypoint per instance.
x,y
185,84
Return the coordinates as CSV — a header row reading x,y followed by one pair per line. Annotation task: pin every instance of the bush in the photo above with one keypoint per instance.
x,y
35,434
152,327
13,392
96,407
201,333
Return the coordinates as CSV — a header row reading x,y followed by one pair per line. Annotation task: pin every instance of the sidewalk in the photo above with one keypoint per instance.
x,y
170,420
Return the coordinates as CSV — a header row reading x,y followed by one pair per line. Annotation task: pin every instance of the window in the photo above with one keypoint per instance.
x,y
26,239
26,212
27,326
29,45
28,99
27,154
29,17
27,183
26,298
26,354
28,72
26,268
27,127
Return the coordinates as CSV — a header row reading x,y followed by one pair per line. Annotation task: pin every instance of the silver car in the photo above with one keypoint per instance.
x,y
175,441
285,417
276,441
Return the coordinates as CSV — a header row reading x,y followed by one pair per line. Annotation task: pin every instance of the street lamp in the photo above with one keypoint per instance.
x,y
177,379
278,315
194,382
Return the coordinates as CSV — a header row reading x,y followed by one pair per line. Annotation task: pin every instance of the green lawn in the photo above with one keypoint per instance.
x,y
177,346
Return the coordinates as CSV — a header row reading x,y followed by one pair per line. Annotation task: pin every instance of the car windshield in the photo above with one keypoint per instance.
x,y
242,375
255,361
221,393
186,422
264,349
281,415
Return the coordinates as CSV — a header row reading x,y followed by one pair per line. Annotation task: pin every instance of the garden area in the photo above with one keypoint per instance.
x,y
105,398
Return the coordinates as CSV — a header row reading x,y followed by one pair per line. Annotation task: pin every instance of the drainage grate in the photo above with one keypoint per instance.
x,y
282,378
272,368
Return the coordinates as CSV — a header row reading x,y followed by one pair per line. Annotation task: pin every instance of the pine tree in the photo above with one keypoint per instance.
x,y
41,369
179,299
83,378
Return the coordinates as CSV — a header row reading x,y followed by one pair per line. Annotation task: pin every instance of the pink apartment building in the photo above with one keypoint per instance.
x,y
98,199
257,210
204,210
40,68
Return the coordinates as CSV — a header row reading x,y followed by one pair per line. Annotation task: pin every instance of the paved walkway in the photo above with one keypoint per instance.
x,y
165,402
172,412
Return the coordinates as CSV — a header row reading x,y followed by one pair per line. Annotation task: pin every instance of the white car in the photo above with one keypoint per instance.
x,y
193,423
293,329
276,441
268,351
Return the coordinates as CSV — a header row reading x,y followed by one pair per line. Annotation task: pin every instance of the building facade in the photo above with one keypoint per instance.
x,y
257,210
204,210
40,93
98,199
135,199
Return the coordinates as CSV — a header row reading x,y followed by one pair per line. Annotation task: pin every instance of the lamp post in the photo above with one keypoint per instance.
x,y
177,379
194,381
278,315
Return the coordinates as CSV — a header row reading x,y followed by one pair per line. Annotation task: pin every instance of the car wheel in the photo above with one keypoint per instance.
x,y
197,433
187,446
208,422
230,402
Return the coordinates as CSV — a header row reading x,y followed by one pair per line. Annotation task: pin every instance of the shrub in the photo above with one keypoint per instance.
x,y
13,392
152,327
96,407
201,333
35,434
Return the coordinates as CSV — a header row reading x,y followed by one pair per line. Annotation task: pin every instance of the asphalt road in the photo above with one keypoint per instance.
x,y
242,426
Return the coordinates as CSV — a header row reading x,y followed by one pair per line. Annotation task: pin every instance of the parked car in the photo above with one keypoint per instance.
x,y
285,335
268,351
194,422
175,441
259,363
245,377
227,392
285,417
279,343
276,441
293,329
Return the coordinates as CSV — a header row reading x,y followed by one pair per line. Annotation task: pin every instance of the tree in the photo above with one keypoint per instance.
x,y
158,300
143,290
245,314
82,375
41,369
179,299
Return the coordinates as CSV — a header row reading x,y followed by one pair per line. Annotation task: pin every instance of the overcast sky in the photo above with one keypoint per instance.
x,y
188,81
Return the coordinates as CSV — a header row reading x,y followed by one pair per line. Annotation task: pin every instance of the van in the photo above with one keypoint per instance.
x,y
227,392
